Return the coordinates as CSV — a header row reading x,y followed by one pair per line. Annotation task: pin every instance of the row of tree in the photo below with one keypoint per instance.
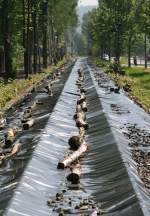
x,y
33,33
118,27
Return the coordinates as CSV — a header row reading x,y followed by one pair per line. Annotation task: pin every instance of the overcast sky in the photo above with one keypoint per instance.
x,y
88,2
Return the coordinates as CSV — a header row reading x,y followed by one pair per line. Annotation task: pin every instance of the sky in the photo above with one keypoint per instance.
x,y
88,2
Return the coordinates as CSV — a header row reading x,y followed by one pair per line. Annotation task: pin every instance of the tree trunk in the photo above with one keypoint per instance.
x,y
74,176
52,40
45,49
45,39
30,49
129,52
25,39
117,46
2,65
8,58
101,52
56,48
6,38
145,49
35,51
30,36
109,50
2,59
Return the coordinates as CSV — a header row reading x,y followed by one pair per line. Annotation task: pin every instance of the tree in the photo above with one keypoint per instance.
x,y
35,31
6,38
116,25
143,17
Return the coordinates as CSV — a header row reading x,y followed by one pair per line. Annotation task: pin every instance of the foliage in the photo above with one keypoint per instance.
x,y
79,44
118,27
137,80
14,88
101,63
33,33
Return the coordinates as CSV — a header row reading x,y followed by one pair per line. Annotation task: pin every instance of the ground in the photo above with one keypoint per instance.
x,y
138,81
15,88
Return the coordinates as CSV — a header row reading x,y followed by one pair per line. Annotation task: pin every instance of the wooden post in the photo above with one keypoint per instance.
x,y
9,154
74,142
32,106
82,133
16,148
73,157
82,90
2,123
78,108
82,98
27,114
49,89
80,115
81,123
84,106
10,137
28,124
74,176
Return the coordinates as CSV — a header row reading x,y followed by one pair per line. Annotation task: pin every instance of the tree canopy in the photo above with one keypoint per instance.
x,y
116,26
33,33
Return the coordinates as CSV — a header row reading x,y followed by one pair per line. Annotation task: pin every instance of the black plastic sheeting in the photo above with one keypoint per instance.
x,y
41,177
11,172
128,113
108,176
105,176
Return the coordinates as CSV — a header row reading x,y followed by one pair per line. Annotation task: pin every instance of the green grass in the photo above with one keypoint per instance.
x,y
136,78
101,63
15,89
123,60
141,86
138,82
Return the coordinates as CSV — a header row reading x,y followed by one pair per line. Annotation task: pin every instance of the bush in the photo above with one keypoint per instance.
x,y
101,63
117,68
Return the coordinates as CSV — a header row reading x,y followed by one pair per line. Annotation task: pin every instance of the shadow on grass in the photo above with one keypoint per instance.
x,y
139,74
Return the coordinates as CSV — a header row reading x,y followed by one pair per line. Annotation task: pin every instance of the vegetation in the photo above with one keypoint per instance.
x,y
14,88
118,27
140,84
34,34
118,30
135,81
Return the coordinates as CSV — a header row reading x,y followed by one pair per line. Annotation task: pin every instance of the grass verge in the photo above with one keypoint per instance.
x,y
136,82
14,89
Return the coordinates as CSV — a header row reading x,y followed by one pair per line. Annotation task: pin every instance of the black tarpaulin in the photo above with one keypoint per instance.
x,y
104,174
